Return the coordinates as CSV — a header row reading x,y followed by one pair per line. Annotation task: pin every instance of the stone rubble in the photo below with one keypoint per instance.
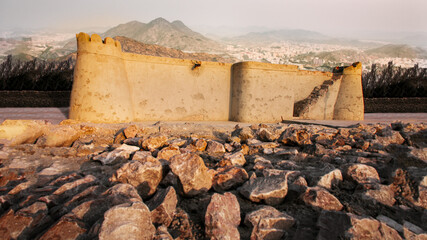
x,y
286,181
223,217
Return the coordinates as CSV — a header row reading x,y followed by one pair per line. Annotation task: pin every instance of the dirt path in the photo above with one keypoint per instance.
x,y
56,115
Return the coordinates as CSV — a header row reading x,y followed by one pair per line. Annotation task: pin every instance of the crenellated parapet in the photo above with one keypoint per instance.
x,y
114,86
94,44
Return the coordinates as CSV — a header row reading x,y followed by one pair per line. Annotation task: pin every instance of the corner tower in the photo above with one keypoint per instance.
x,y
100,90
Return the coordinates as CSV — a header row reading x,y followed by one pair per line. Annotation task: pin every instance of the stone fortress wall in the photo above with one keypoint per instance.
x,y
114,86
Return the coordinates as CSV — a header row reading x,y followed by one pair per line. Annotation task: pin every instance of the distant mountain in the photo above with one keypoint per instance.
x,y
398,51
281,35
162,32
130,45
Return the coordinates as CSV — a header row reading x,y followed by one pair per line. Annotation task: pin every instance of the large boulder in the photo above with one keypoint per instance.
x,y
144,176
153,142
15,132
168,152
192,173
215,147
222,217
59,136
379,193
272,190
163,206
268,223
320,198
295,136
127,221
228,178
361,174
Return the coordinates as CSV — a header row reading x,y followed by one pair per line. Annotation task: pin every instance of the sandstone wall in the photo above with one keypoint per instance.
x,y
113,86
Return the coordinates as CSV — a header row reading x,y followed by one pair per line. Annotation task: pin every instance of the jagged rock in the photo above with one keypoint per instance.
x,y
89,212
132,141
272,190
24,222
243,134
180,227
65,229
162,233
76,185
222,217
163,206
228,178
62,136
325,136
178,142
88,149
261,164
131,131
119,154
422,193
330,179
236,159
121,193
380,194
388,136
153,142
264,145
89,193
119,138
215,147
400,186
299,185
57,168
369,228
168,152
361,173
266,136
294,136
338,225
228,147
144,176
268,223
127,221
141,156
196,145
21,187
419,153
192,173
320,198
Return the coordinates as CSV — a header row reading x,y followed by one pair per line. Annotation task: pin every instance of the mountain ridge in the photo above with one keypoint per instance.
x,y
162,32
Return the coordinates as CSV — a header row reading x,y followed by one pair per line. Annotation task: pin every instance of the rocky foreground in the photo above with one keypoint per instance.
x,y
188,181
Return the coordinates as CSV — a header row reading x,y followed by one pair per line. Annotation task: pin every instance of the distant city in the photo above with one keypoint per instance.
x,y
308,50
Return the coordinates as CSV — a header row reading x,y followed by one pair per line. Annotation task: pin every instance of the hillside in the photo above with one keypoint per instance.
x,y
398,51
161,32
130,45
281,35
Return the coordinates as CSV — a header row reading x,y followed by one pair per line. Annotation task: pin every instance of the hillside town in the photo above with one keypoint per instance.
x,y
303,54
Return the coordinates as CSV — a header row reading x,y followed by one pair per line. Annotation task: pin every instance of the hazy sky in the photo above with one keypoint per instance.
x,y
328,16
